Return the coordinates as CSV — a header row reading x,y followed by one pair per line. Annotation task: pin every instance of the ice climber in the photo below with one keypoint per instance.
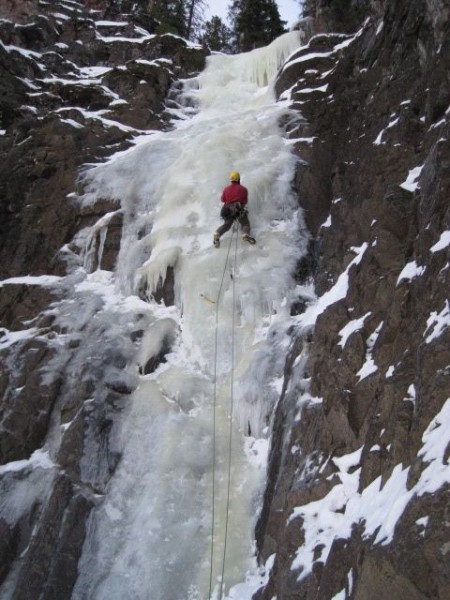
x,y
234,198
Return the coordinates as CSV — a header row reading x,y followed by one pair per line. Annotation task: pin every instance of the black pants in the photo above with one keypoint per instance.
x,y
231,213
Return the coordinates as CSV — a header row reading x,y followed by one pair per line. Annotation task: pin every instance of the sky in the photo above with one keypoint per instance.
x,y
289,9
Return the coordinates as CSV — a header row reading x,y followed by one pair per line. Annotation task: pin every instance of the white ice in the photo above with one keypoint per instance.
x,y
151,536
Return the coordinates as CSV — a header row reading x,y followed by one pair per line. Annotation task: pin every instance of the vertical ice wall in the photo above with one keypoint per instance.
x,y
150,538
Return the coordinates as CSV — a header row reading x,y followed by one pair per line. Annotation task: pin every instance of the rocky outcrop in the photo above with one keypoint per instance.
x,y
341,15
58,115
374,184
78,83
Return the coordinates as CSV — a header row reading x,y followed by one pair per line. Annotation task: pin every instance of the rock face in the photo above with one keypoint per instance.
x,y
374,184
77,83
369,375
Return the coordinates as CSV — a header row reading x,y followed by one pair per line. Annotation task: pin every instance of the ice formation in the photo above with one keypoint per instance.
x,y
151,535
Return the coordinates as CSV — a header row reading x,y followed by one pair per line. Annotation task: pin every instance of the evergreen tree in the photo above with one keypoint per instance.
x,y
216,35
254,23
171,16
184,17
194,17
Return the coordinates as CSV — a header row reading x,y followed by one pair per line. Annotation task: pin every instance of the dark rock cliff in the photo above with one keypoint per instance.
x,y
369,380
375,179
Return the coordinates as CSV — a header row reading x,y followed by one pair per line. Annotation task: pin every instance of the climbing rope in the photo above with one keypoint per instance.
x,y
216,338
227,509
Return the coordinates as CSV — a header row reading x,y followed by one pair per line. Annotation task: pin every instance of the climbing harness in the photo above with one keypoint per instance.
x,y
230,435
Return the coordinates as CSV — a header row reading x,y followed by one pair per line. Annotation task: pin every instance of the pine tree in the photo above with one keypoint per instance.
x,y
216,35
171,16
254,23
184,17
194,17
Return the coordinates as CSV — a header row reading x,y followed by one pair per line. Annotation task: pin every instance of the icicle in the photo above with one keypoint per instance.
x,y
153,272
90,253
101,246
261,65
258,66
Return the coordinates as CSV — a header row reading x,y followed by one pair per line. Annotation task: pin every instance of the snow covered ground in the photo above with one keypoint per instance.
x,y
151,536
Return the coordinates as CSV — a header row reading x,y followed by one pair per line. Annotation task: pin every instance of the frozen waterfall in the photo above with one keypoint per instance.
x,y
150,536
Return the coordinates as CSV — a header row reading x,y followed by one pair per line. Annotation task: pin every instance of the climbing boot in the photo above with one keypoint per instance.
x,y
216,240
248,238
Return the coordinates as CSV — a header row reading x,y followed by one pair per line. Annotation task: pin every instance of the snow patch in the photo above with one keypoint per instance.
x,y
39,459
95,71
42,280
369,367
410,271
390,372
255,579
444,242
336,293
326,223
322,88
438,323
380,27
8,338
379,139
411,183
423,522
351,328
379,506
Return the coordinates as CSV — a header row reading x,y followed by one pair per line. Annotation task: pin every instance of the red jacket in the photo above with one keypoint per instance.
x,y
235,192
